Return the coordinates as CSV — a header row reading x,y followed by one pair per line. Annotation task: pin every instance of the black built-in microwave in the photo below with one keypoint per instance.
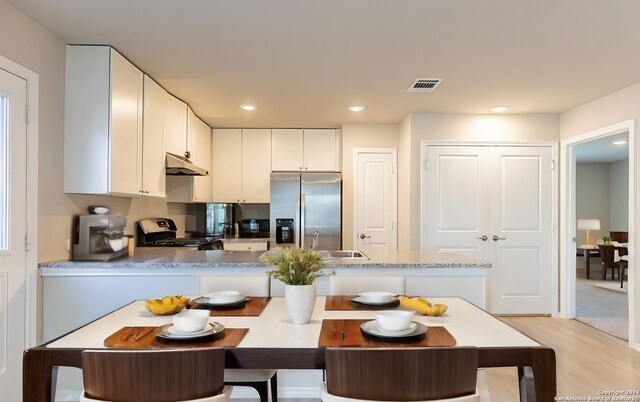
x,y
254,228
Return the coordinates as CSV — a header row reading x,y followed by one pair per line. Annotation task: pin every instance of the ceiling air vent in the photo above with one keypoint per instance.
x,y
424,84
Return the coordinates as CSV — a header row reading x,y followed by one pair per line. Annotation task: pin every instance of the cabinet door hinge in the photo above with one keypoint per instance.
x,y
553,165
27,114
27,243
426,164
393,170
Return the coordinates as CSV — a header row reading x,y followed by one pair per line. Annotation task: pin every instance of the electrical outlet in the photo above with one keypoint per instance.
x,y
68,244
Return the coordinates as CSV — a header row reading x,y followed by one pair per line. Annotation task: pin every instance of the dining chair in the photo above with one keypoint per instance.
x,y
624,265
257,286
167,375
607,253
401,374
352,285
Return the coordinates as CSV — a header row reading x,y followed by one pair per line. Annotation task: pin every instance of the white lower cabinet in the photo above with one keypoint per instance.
x,y
245,244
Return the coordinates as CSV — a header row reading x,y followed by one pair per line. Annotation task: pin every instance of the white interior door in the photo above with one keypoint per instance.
x,y
13,156
521,229
375,200
457,200
494,203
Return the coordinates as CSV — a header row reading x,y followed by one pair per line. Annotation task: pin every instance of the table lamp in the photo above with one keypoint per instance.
x,y
588,224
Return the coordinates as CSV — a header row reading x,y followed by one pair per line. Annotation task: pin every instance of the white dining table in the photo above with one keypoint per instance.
x,y
273,341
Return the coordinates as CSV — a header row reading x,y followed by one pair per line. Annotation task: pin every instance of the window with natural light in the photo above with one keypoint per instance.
x,y
4,174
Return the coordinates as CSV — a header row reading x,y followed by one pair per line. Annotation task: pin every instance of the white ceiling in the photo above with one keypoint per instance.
x,y
603,150
303,62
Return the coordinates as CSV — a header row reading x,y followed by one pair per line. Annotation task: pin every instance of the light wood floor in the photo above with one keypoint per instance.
x,y
587,361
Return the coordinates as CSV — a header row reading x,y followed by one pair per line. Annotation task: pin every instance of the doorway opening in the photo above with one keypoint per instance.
x,y
573,236
602,227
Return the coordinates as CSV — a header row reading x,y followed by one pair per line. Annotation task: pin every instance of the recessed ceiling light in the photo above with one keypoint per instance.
x,y
248,107
499,108
619,142
356,108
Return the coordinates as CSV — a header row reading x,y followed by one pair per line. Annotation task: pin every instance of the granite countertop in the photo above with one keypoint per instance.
x,y
175,260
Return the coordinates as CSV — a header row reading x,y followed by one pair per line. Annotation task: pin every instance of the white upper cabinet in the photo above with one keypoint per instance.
x,y
227,165
287,147
153,139
176,127
200,134
103,123
308,150
256,159
241,165
193,188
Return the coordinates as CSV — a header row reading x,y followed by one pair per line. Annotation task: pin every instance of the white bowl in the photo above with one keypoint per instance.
x,y
224,296
377,297
190,320
393,320
118,244
98,209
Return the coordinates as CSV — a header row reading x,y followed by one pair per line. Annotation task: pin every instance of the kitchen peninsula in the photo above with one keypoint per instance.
x,y
158,271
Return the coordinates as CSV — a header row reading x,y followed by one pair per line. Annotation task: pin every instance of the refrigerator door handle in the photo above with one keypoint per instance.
x,y
302,226
296,226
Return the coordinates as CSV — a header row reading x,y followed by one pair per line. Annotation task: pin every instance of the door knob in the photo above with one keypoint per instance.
x,y
483,238
363,236
496,238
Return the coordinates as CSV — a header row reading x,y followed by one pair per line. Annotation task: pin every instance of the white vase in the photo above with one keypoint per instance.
x,y
300,299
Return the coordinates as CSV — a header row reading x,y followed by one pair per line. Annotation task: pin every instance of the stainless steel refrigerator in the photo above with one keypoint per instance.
x,y
303,204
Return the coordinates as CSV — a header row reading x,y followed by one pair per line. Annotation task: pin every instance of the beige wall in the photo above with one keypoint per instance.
x,y
29,44
619,196
592,199
463,128
359,136
611,109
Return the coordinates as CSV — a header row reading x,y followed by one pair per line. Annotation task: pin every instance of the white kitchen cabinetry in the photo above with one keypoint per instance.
x,y
153,139
245,244
177,141
241,165
103,123
309,150
194,188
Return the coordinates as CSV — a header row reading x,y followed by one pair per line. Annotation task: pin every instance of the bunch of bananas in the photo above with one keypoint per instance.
x,y
422,306
166,305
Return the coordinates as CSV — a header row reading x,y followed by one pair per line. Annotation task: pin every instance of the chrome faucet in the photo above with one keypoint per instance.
x,y
316,240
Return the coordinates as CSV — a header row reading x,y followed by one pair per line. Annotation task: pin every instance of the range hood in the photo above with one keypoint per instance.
x,y
181,166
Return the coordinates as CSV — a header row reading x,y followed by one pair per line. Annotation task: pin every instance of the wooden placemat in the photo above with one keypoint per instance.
x,y
348,333
145,338
252,308
344,303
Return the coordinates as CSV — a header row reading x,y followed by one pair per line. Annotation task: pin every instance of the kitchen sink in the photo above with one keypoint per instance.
x,y
343,254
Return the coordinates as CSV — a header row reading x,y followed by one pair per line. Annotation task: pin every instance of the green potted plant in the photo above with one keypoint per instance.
x,y
298,269
606,240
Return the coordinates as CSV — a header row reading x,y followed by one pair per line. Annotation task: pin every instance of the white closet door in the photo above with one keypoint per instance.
x,y
503,193
520,280
457,212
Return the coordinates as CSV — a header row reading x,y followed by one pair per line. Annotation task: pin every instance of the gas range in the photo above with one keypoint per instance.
x,y
161,232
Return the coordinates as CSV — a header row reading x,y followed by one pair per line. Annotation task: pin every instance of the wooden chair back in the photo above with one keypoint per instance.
x,y
620,237
607,254
152,375
401,374
352,285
